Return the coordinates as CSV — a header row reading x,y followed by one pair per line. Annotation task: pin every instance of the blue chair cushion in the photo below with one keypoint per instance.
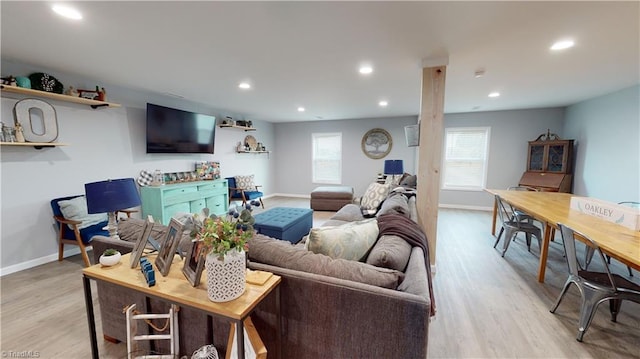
x,y
248,195
95,230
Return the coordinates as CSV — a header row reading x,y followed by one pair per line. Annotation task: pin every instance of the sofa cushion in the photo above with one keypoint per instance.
x,y
395,203
390,252
393,180
131,229
76,209
283,254
245,182
348,213
409,181
373,197
351,241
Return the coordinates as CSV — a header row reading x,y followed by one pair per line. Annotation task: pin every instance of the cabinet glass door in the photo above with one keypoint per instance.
x,y
555,160
536,157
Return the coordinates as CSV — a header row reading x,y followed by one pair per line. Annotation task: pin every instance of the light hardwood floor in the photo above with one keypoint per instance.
x,y
488,306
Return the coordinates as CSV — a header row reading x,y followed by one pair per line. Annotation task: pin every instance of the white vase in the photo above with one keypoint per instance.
x,y
226,278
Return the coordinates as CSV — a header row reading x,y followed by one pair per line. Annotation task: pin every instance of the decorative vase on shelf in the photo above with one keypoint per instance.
x,y
226,279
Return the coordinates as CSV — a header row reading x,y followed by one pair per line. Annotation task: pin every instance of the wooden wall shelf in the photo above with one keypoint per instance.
x,y
252,151
37,145
56,96
245,128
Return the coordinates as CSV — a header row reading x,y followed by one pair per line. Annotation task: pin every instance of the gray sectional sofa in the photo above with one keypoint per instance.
x,y
331,308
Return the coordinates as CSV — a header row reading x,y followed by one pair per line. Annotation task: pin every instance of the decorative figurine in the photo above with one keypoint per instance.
x,y
19,133
71,91
102,94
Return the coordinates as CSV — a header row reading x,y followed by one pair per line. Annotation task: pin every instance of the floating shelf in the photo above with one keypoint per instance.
x,y
245,128
37,145
252,151
56,96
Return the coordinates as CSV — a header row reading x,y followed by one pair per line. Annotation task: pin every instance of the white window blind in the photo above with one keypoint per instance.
x,y
465,158
327,158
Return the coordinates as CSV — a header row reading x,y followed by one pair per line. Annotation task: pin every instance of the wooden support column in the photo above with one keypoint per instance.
x,y
430,149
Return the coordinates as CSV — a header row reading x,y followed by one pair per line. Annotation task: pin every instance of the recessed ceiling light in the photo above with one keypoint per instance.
x,y
563,44
383,103
365,70
244,85
494,94
300,109
66,11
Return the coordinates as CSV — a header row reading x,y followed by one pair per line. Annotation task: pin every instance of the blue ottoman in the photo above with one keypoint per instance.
x,y
289,224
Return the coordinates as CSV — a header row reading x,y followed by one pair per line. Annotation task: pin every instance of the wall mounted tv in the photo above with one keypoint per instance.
x,y
170,130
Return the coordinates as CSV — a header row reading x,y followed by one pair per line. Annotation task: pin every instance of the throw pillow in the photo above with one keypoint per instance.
x,y
409,181
373,196
76,209
245,182
393,180
348,241
395,203
390,252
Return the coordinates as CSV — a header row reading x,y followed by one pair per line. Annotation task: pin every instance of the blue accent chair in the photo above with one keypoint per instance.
x,y
238,194
80,237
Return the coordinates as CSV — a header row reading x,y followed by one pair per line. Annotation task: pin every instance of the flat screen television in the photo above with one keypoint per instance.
x,y
170,130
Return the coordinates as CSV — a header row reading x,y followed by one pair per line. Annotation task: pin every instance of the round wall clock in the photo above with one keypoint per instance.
x,y
377,143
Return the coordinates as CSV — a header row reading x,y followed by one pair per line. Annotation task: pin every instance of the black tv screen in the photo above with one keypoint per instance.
x,y
170,130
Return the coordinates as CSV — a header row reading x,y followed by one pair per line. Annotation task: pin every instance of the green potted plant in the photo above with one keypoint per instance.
x,y
224,240
110,257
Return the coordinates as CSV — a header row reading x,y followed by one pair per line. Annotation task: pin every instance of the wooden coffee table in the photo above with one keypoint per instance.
x,y
175,289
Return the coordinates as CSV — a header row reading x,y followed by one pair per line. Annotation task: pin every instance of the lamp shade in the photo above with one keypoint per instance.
x,y
393,167
111,195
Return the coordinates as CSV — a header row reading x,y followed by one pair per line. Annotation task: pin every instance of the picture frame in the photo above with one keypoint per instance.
x,y
377,143
168,248
194,263
141,243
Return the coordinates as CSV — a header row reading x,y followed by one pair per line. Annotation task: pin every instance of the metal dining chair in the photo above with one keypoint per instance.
x,y
512,225
595,287
589,251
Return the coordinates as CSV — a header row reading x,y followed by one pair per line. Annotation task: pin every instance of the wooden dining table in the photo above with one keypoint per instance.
x,y
552,208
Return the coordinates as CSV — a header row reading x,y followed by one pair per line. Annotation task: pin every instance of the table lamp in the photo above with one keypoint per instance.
x,y
393,167
111,196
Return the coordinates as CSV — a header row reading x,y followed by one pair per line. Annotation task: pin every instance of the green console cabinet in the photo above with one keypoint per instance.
x,y
163,202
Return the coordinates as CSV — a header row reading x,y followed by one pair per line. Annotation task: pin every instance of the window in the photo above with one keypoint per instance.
x,y
327,158
465,158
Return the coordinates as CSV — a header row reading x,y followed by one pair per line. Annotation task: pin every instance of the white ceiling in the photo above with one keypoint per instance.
x,y
308,53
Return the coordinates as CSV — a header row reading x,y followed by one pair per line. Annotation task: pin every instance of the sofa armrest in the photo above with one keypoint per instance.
x,y
102,243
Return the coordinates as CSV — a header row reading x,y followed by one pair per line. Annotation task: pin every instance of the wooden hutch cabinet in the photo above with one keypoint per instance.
x,y
549,164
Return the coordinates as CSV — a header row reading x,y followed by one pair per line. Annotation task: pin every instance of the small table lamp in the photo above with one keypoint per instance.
x,y
111,196
393,167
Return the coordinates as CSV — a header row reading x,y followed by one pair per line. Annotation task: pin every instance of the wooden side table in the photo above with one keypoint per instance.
x,y
175,289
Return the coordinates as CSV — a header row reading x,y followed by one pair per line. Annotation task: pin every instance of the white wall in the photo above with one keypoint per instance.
x,y
293,147
607,132
510,133
103,143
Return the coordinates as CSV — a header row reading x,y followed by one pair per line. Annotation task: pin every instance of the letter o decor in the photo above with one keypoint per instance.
x,y
34,130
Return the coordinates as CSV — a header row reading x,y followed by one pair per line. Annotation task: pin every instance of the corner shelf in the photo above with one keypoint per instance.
x,y
245,128
36,145
56,96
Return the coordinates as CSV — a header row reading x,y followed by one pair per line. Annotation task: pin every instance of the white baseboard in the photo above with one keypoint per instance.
x,y
39,261
461,206
288,195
